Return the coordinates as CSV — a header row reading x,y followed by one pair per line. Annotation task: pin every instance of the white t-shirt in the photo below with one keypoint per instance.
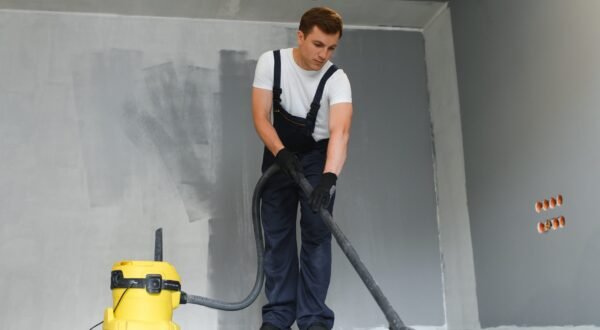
x,y
299,87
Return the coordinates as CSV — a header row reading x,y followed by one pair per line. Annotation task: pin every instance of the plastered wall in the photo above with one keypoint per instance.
x,y
112,126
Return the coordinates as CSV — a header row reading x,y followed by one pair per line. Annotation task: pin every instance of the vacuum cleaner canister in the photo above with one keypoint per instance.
x,y
145,293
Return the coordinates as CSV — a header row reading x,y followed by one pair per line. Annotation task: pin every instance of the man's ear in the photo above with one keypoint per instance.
x,y
300,36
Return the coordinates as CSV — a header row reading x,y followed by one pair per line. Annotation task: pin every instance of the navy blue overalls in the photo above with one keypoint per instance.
x,y
296,289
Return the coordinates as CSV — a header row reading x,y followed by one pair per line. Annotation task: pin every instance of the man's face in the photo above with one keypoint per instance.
x,y
316,48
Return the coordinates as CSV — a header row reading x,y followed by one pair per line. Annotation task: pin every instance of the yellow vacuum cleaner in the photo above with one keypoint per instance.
x,y
145,293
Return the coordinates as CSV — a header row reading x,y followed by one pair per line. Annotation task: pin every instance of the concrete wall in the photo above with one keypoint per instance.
x,y
460,299
112,126
529,77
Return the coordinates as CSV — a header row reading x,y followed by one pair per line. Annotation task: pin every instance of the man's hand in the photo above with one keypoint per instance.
x,y
321,195
288,162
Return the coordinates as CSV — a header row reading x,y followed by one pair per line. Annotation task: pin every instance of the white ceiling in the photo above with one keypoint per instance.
x,y
397,13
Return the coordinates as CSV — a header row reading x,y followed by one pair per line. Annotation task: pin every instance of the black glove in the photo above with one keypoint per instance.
x,y
288,162
321,195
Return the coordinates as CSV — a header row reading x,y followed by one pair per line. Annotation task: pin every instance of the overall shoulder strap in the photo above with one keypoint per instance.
x,y
277,79
316,103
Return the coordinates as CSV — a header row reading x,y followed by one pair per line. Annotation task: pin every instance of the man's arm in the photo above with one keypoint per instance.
x,y
340,119
262,101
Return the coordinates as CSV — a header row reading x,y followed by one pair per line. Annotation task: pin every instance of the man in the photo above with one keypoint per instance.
x,y
312,111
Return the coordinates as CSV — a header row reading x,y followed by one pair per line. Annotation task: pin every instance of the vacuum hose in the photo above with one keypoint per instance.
x,y
260,278
394,320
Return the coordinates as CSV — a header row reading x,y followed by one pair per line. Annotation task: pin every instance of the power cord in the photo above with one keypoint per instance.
x,y
118,302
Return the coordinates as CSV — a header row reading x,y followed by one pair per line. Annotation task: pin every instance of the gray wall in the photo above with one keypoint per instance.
x,y
529,78
112,126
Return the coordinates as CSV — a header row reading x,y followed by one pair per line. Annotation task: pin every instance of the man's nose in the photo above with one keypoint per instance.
x,y
323,54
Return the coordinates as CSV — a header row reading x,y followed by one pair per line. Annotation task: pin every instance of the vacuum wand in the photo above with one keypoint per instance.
x,y
389,312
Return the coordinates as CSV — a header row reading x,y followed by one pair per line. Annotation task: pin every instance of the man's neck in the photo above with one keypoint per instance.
x,y
298,59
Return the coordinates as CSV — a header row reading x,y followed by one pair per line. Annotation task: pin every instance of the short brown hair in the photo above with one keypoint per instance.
x,y
326,19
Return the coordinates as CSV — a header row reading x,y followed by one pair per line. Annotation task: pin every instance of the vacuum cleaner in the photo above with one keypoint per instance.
x,y
145,293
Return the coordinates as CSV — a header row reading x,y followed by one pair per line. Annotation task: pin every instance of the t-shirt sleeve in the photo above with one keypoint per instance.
x,y
340,90
263,75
